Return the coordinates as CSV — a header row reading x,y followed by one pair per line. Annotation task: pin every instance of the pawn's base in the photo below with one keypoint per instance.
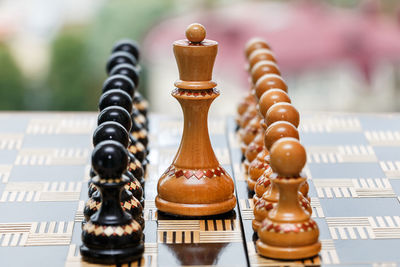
x,y
251,184
195,209
112,256
288,253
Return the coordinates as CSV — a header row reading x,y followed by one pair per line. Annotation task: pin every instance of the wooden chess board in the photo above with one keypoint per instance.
x,y
353,170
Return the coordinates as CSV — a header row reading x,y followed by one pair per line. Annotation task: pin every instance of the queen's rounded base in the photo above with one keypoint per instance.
x,y
183,209
288,253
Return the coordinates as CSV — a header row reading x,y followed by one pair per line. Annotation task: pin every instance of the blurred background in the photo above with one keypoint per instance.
x,y
337,55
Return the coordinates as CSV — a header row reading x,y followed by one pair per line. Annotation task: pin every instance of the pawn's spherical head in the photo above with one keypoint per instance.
x,y
269,81
263,67
287,157
259,55
270,97
117,114
119,57
254,44
127,70
282,112
127,45
109,159
278,130
115,97
119,81
195,33
110,130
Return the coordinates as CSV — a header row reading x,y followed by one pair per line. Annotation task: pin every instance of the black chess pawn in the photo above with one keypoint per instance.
x,y
140,104
129,203
137,149
135,184
120,115
132,196
117,114
111,236
124,83
132,73
119,81
140,132
110,130
119,57
139,118
137,169
115,97
127,45
128,70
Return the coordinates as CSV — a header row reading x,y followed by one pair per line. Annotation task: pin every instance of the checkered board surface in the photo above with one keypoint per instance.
x,y
353,170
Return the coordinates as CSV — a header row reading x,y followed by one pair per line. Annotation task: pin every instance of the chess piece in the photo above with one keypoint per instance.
x,y
132,197
250,113
117,114
140,119
140,104
259,55
262,184
274,132
139,111
269,81
288,232
119,81
118,58
138,150
255,44
195,184
120,98
111,236
269,200
282,112
124,83
249,132
135,148
270,97
127,70
139,132
114,131
128,46
115,97
267,194
243,106
263,67
110,130
256,146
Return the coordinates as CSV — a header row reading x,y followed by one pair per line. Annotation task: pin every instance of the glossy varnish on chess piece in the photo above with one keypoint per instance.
x,y
254,44
274,132
132,197
111,236
195,184
288,232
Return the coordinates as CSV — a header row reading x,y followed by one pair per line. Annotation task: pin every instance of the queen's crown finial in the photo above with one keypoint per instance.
x,y
195,58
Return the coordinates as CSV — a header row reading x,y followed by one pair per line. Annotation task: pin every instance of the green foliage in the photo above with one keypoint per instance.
x,y
68,78
79,54
11,82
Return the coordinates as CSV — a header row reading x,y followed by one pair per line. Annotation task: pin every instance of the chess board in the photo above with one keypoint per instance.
x,y
353,170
